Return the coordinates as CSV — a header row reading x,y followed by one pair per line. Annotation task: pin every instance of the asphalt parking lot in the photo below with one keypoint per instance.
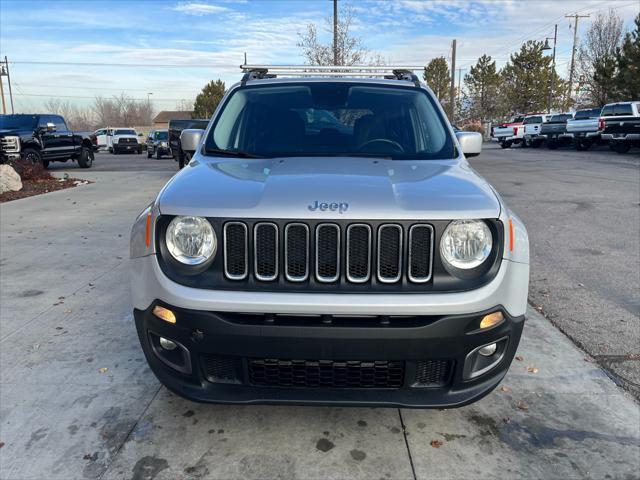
x,y
78,401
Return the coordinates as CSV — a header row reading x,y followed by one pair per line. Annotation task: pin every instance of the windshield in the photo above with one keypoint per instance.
x,y
560,118
124,132
163,135
18,122
335,119
530,120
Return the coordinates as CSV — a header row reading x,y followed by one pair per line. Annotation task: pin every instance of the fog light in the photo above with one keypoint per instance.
x,y
164,314
485,351
169,345
490,320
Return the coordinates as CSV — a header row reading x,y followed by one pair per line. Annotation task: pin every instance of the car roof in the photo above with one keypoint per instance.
x,y
346,79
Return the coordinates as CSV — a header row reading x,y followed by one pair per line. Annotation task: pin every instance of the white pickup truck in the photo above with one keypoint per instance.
x,y
509,133
584,127
532,126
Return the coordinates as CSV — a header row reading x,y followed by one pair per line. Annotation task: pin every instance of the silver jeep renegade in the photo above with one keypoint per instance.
x,y
329,243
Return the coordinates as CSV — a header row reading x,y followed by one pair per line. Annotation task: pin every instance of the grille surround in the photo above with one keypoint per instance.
x,y
327,278
257,267
381,277
287,229
225,237
362,278
411,250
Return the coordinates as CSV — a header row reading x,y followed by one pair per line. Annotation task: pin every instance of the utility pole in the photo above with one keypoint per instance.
x,y
335,32
452,93
459,90
576,17
4,105
4,72
553,68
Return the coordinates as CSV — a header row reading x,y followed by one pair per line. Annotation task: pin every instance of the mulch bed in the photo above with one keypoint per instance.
x,y
41,185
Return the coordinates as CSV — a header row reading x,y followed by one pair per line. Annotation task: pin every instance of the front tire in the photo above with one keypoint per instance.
x,y
32,155
158,155
85,160
148,153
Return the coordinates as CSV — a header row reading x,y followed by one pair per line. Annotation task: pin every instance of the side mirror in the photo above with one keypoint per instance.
x,y
470,143
51,127
190,139
141,134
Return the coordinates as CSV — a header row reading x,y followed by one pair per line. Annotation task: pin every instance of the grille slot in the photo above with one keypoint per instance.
x,y
326,373
433,373
266,251
358,253
389,253
236,261
327,252
296,253
420,253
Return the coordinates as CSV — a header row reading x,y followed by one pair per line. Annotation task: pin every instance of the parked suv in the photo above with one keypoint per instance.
x,y
329,243
158,143
620,125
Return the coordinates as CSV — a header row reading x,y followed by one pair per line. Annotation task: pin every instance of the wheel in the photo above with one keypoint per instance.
x,y
139,150
621,147
158,154
45,163
524,143
536,144
85,160
552,144
582,145
114,151
504,145
32,155
148,153
110,149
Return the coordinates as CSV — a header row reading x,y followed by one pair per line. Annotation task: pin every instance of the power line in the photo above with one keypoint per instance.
x,y
87,97
136,65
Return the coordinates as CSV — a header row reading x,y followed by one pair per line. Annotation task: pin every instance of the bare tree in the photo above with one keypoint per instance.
x,y
122,110
77,118
350,49
597,59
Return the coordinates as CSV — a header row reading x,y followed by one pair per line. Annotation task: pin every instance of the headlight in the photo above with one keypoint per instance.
x,y
191,240
163,144
465,244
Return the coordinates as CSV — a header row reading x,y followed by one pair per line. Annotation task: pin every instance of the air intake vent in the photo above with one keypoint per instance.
x,y
389,253
235,251
266,251
296,237
420,253
358,253
327,252
433,373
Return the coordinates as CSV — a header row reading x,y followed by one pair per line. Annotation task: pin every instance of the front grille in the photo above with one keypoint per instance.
x,y
127,140
328,253
326,373
433,373
219,369
9,144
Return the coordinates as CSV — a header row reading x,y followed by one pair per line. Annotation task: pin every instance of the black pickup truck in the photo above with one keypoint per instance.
x,y
554,131
175,128
44,138
620,125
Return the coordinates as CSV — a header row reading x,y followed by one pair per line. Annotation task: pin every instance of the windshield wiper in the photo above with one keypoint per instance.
x,y
230,153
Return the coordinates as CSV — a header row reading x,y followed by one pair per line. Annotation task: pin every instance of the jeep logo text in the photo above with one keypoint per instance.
x,y
332,207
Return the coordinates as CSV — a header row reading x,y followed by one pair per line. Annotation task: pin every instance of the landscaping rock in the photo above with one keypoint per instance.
x,y
9,179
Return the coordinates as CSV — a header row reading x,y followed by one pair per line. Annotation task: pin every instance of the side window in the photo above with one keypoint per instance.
x,y
42,122
623,109
607,111
59,123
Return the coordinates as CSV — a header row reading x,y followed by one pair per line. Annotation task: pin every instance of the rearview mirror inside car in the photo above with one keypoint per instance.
x,y
470,143
190,139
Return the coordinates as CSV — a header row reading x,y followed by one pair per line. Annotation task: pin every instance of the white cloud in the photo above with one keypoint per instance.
x,y
199,9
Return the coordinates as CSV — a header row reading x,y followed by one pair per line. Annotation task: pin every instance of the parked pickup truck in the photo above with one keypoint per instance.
x,y
554,131
620,125
532,125
44,138
509,133
584,128
175,128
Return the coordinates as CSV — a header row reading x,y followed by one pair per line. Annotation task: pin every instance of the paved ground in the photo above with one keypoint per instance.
x,y
77,400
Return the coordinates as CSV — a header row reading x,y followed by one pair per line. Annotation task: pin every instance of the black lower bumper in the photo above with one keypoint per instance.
x,y
422,361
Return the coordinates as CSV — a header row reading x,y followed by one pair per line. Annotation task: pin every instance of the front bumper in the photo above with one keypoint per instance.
x,y
126,147
214,342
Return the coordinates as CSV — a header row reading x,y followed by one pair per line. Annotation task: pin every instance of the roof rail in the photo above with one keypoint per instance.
x,y
258,72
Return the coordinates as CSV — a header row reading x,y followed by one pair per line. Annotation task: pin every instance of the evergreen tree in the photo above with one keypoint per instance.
x,y
526,79
628,76
207,100
437,77
483,84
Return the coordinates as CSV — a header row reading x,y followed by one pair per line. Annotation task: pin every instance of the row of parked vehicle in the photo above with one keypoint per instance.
x,y
616,124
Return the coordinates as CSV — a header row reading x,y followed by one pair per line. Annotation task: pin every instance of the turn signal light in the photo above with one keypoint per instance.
x,y
164,314
490,320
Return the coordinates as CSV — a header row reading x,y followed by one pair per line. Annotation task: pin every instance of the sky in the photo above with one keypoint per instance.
x,y
167,50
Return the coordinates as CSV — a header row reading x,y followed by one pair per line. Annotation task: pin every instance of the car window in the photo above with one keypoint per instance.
x,y
160,135
99,132
124,132
340,119
607,111
43,120
559,118
518,120
586,114
18,121
622,109
58,121
530,120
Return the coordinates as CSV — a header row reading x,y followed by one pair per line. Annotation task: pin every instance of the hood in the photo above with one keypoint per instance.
x,y
14,131
329,187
